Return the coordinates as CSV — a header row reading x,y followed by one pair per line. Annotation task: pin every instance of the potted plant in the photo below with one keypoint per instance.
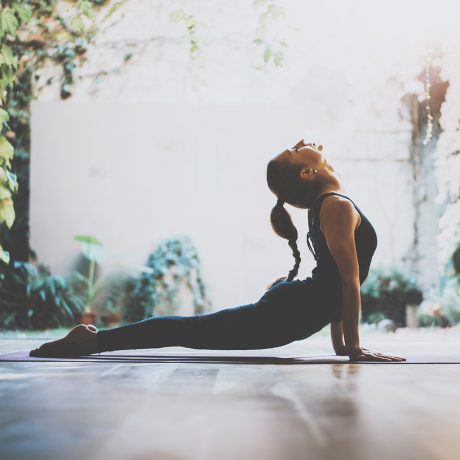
x,y
32,298
174,263
412,297
93,251
393,294
110,315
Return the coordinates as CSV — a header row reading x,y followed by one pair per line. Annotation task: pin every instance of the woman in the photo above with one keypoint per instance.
x,y
342,241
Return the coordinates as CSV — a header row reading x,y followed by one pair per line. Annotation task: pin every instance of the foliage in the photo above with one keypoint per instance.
x,y
39,36
376,317
197,67
93,250
443,306
173,262
10,19
91,247
272,48
388,292
426,320
33,34
178,16
113,295
31,298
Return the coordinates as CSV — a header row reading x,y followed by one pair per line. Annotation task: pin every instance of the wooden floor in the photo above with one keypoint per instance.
x,y
183,411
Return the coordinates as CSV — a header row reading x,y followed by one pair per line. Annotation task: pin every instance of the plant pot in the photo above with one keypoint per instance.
x,y
86,317
110,319
411,315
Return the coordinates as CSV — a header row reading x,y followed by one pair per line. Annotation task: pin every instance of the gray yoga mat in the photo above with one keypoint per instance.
x,y
223,358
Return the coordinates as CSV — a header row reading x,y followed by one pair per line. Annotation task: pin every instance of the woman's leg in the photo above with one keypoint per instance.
x,y
283,314
250,326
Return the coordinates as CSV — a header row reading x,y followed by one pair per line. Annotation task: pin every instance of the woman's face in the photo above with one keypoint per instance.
x,y
309,156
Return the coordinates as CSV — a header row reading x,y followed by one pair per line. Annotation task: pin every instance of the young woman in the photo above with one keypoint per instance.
x,y
342,241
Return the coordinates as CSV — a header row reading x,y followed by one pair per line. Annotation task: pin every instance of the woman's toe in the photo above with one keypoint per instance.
x,y
35,352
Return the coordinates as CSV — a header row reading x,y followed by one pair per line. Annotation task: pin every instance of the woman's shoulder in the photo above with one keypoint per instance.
x,y
339,209
336,201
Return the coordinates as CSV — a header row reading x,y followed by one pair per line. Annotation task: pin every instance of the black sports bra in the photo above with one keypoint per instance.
x,y
326,269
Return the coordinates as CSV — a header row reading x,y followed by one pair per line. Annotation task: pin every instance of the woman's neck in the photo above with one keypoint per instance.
x,y
331,188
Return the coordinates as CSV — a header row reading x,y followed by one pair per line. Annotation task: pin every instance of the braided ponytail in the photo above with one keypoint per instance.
x,y
284,227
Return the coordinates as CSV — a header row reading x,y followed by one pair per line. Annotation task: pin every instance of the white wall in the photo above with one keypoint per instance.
x,y
132,174
142,151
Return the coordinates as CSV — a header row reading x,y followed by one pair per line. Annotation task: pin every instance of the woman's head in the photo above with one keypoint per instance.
x,y
297,176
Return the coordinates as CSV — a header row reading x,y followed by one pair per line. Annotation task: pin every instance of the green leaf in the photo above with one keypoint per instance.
x,y
2,91
7,73
76,24
7,214
177,15
190,22
275,11
4,192
91,247
12,181
23,11
67,309
8,23
267,55
278,58
4,255
88,239
85,7
4,117
6,149
7,58
113,9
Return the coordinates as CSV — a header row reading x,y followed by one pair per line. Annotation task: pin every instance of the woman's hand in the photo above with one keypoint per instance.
x,y
363,354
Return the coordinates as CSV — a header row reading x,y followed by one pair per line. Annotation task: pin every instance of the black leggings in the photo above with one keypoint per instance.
x,y
289,311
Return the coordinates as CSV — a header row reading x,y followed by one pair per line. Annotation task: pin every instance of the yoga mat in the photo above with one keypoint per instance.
x,y
234,358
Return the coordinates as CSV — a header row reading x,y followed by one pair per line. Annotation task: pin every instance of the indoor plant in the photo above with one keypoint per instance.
x,y
392,293
93,251
173,262
32,298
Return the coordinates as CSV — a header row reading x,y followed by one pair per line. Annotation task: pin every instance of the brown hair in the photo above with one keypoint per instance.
x,y
283,178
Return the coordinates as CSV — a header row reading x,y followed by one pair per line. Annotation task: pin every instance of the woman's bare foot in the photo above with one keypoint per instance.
x,y
81,340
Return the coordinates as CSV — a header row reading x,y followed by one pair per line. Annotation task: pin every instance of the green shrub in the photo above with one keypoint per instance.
x,y
425,320
173,262
388,292
376,317
32,298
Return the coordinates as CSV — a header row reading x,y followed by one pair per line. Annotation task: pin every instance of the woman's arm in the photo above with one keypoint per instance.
x,y
337,338
339,219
